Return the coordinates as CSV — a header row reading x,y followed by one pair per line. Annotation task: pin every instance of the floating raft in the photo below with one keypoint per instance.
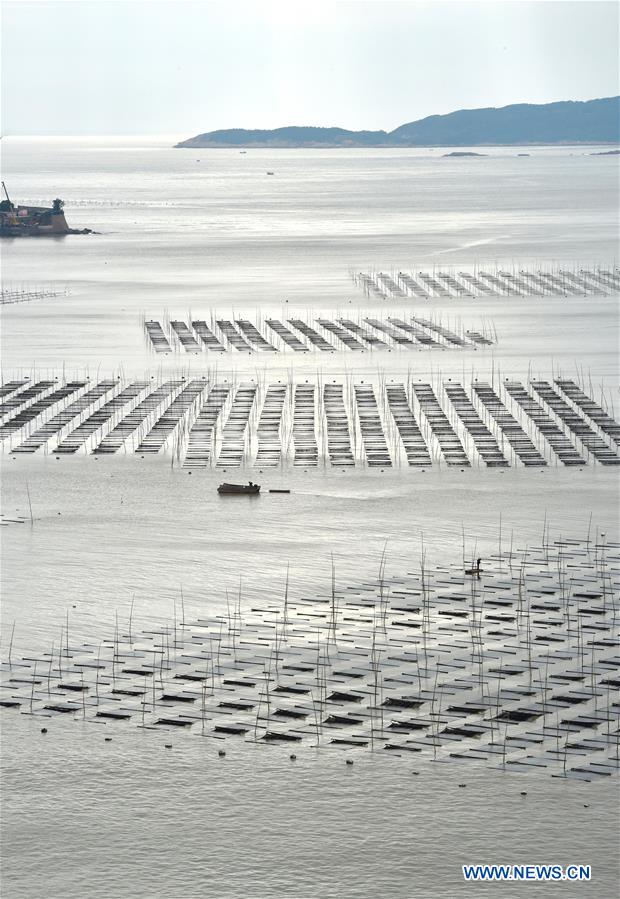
x,y
426,285
323,334
516,670
344,423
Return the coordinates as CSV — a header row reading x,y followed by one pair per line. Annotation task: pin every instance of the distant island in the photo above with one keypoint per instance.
x,y
463,153
566,122
607,153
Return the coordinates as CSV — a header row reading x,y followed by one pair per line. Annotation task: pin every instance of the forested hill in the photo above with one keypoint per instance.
x,y
566,122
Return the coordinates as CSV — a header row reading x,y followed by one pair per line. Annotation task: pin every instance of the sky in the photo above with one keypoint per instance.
x,y
190,66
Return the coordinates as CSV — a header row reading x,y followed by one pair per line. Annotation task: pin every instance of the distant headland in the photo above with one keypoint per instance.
x,y
566,122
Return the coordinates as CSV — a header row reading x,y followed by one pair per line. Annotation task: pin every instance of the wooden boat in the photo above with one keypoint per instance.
x,y
239,489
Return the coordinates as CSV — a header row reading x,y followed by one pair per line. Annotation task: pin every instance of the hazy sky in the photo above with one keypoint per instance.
x,y
125,66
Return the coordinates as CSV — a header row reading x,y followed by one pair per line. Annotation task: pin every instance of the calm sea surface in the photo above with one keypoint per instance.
x,y
186,231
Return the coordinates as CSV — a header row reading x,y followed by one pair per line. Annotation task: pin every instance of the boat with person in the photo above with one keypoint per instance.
x,y
248,489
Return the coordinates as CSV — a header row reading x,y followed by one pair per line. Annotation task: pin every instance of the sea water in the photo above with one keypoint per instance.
x,y
182,231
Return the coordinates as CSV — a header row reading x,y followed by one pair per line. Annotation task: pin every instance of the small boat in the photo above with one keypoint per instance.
x,y
477,570
239,489
271,173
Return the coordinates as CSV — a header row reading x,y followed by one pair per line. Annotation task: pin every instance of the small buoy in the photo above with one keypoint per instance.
x,y
44,730
292,757
221,753
349,761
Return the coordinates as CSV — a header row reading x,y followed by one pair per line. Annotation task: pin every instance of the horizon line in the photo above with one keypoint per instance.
x,y
281,127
